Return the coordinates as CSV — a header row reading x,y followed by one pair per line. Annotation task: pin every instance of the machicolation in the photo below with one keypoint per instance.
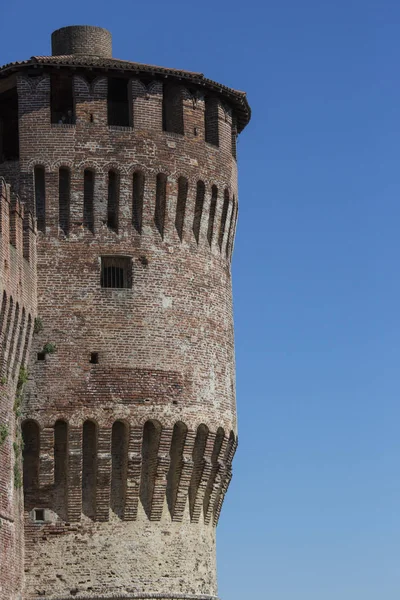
x,y
119,203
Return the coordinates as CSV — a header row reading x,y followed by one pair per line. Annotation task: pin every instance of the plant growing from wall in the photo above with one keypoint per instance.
x,y
22,377
49,348
38,325
17,476
18,444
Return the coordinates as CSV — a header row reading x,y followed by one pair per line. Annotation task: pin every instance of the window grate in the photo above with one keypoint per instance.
x,y
116,272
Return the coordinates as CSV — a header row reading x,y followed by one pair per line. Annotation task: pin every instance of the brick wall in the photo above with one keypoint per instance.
x,y
128,456
81,39
17,313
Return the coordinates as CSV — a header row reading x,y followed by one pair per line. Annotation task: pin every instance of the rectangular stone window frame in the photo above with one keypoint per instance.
x,y
116,272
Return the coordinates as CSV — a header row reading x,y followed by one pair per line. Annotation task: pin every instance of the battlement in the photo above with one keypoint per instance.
x,y
178,209
116,239
17,229
18,304
161,468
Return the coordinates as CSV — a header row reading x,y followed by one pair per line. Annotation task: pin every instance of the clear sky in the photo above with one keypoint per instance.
x,y
313,512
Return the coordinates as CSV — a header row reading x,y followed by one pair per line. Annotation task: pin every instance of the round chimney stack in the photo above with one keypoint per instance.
x,y
82,40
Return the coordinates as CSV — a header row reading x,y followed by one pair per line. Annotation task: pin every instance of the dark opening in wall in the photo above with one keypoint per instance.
x,y
181,205
150,445
234,137
40,197
198,209
13,336
30,455
18,349
232,227
62,98
88,198
222,226
113,200
60,467
172,109
64,193
161,202
119,453
10,316
211,120
3,311
198,464
94,358
27,340
176,464
118,104
9,139
60,451
89,468
41,356
213,208
219,439
137,200
38,514
116,272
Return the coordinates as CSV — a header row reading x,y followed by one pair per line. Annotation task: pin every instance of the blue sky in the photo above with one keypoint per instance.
x,y
313,512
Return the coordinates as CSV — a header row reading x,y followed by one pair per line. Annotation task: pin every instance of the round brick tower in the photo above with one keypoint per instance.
x,y
129,416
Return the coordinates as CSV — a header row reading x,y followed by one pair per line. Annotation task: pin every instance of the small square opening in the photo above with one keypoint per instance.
x,y
116,272
41,356
94,358
38,514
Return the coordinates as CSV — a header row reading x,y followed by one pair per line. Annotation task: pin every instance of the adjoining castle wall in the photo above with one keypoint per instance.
x,y
17,313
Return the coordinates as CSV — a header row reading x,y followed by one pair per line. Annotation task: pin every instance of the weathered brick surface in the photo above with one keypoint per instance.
x,y
129,511
17,312
81,39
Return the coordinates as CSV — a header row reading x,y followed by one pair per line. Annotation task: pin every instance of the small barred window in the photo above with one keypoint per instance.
x,y
116,272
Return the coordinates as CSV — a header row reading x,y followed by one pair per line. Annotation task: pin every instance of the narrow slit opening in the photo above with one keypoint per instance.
x,y
64,185
88,198
40,197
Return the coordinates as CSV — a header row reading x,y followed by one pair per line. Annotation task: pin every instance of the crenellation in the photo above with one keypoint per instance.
x,y
116,330
18,309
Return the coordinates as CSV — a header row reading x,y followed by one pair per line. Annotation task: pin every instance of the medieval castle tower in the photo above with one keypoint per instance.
x,y
118,192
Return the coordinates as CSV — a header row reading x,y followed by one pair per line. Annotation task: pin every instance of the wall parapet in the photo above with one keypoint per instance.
x,y
90,470
17,227
133,596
